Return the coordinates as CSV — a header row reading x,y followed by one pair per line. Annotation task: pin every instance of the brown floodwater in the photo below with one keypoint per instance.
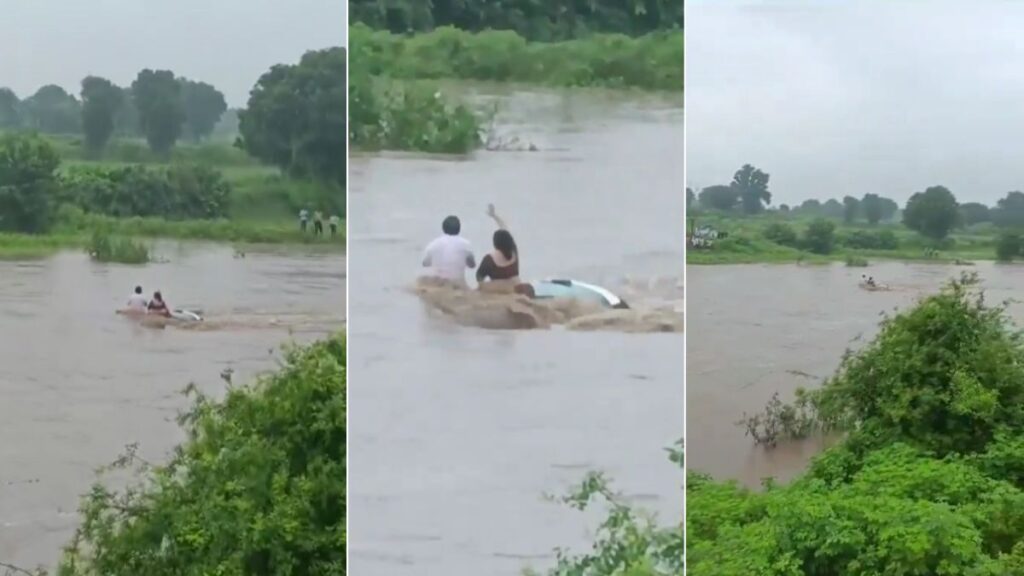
x,y
78,383
456,431
755,330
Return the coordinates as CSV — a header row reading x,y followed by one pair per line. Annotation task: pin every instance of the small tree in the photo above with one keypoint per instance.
x,y
871,206
101,100
718,197
1008,246
751,187
851,208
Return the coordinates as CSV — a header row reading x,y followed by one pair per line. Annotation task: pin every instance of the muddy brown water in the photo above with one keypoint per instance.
x,y
759,329
458,432
78,382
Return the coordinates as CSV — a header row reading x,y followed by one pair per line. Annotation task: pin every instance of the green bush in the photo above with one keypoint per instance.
x,y
820,236
27,183
782,234
173,192
871,240
1008,246
258,487
928,478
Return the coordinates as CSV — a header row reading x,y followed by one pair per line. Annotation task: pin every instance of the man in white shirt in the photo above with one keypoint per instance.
x,y
450,255
137,302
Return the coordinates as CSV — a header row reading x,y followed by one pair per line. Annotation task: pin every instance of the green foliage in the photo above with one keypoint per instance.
x,y
974,213
10,110
52,110
1009,211
873,208
650,62
157,97
856,262
933,213
178,191
819,237
296,118
871,240
27,183
100,102
781,421
928,478
203,105
718,197
782,234
412,117
628,542
544,21
257,488
1008,246
851,209
106,248
751,185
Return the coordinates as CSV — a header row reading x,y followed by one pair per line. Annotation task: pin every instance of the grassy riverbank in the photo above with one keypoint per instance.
x,y
776,238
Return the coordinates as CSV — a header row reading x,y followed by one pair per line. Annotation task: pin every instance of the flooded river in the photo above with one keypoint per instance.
x,y
78,383
458,432
759,329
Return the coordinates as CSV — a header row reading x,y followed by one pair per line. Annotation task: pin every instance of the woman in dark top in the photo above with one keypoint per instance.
x,y
158,306
503,262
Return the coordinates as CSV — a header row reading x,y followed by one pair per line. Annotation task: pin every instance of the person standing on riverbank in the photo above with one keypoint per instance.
x,y
303,220
318,223
450,255
334,221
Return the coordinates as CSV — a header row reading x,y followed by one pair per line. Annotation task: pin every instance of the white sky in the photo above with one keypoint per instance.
x,y
228,43
849,97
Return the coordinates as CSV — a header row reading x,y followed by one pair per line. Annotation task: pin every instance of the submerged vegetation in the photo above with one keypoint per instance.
x,y
628,541
927,479
106,248
258,487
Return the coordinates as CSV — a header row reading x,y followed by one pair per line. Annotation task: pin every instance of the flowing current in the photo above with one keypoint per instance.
x,y
458,431
78,383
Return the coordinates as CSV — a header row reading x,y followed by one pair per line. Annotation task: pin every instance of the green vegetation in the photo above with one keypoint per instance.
x,y
106,248
537,21
110,163
928,478
651,62
932,226
258,487
628,542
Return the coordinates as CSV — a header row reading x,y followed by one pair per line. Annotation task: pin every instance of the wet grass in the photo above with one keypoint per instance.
x,y
106,248
746,243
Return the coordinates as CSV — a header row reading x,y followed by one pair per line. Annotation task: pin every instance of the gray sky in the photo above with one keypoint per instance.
x,y
228,43
836,98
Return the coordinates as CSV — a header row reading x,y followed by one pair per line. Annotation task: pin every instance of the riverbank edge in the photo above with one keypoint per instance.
x,y
955,258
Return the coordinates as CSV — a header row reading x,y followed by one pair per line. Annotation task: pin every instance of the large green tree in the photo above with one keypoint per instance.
x,y
974,213
52,110
101,100
933,213
751,186
204,106
718,197
296,117
157,97
27,183
851,209
10,113
871,206
1009,211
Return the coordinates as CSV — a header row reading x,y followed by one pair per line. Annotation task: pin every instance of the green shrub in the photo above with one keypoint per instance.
x,y
1008,246
819,237
172,192
258,487
27,183
871,240
782,234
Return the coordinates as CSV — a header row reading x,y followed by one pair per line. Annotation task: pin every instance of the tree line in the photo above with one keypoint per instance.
x,y
540,21
157,105
934,212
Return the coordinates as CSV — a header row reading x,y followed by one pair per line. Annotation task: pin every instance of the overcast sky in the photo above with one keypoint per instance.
x,y
836,98
228,43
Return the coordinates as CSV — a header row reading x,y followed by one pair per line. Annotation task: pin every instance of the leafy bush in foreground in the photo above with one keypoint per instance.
x,y
257,488
928,479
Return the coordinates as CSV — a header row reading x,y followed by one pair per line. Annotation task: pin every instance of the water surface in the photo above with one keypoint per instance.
x,y
78,383
456,433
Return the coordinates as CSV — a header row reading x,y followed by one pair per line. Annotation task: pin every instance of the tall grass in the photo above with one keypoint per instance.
x,y
106,248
